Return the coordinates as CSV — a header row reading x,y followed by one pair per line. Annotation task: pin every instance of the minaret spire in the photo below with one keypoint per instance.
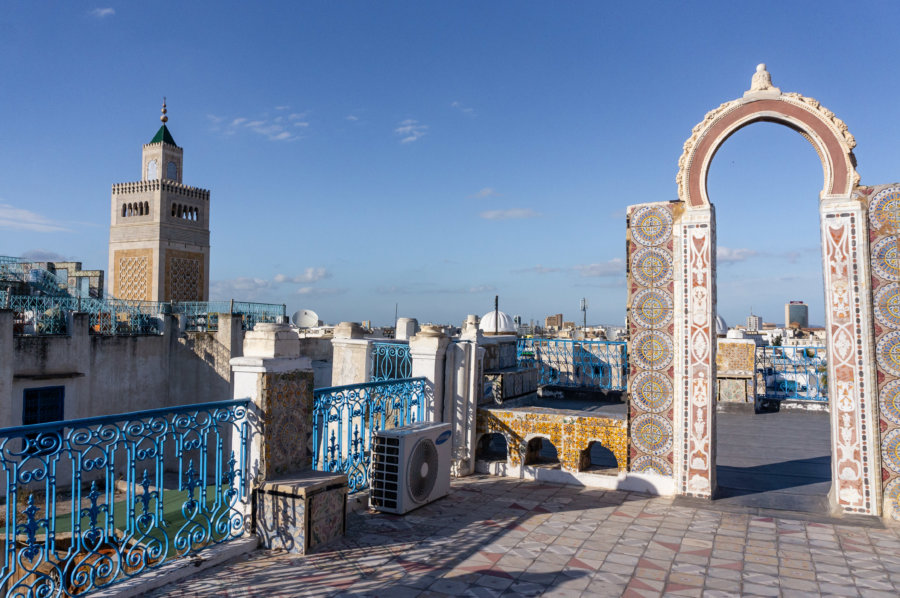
x,y
164,118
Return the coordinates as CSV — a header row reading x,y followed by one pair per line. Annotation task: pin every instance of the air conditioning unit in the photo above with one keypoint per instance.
x,y
410,467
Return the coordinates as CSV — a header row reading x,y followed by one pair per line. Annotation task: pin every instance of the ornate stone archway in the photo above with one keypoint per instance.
x,y
672,307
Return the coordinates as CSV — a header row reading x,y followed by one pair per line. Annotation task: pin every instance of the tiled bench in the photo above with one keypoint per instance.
x,y
571,432
300,512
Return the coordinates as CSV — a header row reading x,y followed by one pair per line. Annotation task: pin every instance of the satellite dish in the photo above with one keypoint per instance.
x,y
305,318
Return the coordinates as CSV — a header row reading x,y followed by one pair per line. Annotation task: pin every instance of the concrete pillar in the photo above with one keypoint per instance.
x,y
406,328
463,375
352,355
279,383
6,365
427,350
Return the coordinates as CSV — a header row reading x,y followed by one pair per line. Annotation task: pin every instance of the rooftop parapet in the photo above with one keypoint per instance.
x,y
164,185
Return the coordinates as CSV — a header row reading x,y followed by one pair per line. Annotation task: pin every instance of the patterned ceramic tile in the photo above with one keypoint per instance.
x,y
572,435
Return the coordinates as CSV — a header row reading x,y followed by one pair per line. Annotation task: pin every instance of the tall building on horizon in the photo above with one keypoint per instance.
x,y
754,322
554,321
159,229
796,312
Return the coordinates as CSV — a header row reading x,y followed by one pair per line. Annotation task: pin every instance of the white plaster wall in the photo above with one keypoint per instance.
x,y
105,375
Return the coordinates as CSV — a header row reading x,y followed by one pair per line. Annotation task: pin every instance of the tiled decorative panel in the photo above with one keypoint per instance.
x,y
288,421
281,522
695,413
884,234
572,435
651,328
326,516
854,411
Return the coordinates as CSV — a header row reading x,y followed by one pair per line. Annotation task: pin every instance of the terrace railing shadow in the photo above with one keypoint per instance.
x,y
466,532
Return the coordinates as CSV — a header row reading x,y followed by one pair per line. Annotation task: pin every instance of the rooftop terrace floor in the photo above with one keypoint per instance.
x,y
500,536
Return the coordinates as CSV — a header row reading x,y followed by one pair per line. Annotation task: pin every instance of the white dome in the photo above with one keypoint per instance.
x,y
721,326
505,324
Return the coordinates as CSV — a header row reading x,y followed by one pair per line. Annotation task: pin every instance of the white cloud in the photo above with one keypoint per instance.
x,y
613,267
242,288
21,219
430,289
410,130
308,275
725,255
512,214
351,118
539,269
280,128
101,13
318,292
463,109
485,192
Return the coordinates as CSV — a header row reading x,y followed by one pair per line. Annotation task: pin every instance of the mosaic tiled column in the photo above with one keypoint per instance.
x,y
695,318
884,227
851,372
651,328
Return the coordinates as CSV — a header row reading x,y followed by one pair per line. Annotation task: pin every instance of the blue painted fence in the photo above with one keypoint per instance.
x,y
47,315
390,361
203,316
583,364
792,373
92,502
345,418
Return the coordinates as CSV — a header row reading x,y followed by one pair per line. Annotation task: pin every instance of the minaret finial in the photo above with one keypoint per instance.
x,y
164,118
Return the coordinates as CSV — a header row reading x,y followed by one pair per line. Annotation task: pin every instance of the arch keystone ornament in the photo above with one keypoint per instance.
x,y
681,265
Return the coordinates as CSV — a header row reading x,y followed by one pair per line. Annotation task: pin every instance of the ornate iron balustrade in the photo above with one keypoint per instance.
x,y
92,502
203,316
390,361
346,417
792,373
585,364
43,315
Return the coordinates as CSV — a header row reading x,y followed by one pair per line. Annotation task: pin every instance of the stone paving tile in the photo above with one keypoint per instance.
x,y
483,540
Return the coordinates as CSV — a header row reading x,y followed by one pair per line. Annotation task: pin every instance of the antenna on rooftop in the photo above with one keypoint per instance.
x,y
583,307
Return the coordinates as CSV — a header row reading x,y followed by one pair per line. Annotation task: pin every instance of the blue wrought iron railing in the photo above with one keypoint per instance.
x,y
43,315
390,361
92,502
203,316
47,315
587,364
346,417
792,373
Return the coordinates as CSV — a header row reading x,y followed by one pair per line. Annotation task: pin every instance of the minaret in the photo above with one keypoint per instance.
x,y
159,229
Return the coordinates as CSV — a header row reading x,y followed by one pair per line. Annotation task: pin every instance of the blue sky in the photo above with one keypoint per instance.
x,y
430,154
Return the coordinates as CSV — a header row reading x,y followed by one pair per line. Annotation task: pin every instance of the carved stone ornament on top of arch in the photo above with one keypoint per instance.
x,y
827,133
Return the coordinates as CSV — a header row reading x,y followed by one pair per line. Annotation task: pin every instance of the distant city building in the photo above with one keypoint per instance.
x,y
159,232
796,312
754,322
554,321
568,325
